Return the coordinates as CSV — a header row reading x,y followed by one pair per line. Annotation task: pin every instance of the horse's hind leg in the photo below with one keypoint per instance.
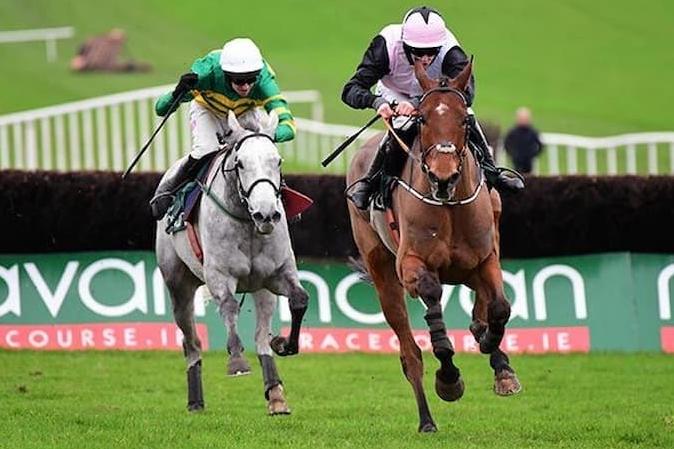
x,y
490,314
182,285
381,266
265,304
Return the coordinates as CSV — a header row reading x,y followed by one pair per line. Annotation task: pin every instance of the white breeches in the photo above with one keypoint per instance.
x,y
205,127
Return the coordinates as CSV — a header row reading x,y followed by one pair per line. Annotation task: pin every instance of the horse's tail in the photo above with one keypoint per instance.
x,y
358,266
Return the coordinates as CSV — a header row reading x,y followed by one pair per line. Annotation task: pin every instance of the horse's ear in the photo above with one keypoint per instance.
x,y
463,78
270,124
234,124
425,81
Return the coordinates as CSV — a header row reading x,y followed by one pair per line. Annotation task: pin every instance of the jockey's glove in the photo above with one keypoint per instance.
x,y
187,82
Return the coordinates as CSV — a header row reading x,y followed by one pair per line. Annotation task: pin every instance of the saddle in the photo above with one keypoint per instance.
x,y
182,214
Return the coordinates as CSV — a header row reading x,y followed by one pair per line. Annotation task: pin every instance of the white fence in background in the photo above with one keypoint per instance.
x,y
105,133
639,153
48,35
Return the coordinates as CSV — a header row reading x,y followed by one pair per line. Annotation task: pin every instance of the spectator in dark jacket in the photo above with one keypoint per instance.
x,y
522,143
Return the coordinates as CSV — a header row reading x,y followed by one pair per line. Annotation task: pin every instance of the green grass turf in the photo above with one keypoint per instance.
x,y
106,400
591,68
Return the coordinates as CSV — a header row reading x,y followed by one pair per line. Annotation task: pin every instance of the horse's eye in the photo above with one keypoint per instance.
x,y
280,161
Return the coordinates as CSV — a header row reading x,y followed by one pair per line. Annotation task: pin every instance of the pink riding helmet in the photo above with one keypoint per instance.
x,y
423,28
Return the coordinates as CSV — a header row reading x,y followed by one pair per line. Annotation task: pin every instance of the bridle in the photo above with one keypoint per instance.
x,y
244,193
445,147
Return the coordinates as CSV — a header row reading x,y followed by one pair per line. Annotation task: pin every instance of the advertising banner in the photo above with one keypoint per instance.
x,y
117,300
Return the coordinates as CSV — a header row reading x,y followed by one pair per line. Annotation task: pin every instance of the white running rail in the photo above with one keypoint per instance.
x,y
638,153
104,133
48,35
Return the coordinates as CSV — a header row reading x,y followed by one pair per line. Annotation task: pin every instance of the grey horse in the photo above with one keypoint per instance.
x,y
243,231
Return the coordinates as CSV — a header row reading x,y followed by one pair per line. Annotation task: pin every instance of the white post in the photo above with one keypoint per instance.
x,y
17,134
144,106
45,132
31,145
652,158
129,133
572,160
612,161
60,130
51,49
159,149
88,135
4,147
553,160
74,141
102,138
116,134
172,138
591,161
671,158
631,159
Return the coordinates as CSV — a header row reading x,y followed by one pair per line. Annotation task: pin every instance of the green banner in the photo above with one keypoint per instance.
x,y
106,300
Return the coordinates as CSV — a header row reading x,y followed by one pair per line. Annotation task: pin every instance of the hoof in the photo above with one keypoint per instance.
x,y
429,427
282,347
448,391
195,407
277,405
506,384
237,366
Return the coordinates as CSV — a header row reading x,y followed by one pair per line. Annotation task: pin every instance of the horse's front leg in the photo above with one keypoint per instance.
x,y
265,304
223,287
491,312
288,284
419,281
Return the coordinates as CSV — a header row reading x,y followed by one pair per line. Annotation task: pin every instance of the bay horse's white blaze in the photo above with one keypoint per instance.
x,y
246,248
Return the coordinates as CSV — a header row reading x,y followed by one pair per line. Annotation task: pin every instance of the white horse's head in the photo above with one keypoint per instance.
x,y
258,166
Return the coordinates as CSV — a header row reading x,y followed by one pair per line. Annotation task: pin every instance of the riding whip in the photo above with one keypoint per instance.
x,y
331,157
149,141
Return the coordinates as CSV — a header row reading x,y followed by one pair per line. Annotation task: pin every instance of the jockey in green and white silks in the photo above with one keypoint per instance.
x,y
388,66
234,78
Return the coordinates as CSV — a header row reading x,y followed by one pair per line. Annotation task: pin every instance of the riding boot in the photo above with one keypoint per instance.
x,y
164,195
361,191
496,177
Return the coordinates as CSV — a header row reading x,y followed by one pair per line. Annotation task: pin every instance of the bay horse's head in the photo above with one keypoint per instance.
x,y
257,164
443,129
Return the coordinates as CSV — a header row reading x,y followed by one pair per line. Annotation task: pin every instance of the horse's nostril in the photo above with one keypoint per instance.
x,y
257,216
454,178
276,216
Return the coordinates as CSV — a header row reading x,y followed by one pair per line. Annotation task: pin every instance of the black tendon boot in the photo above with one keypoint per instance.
x,y
163,196
360,192
501,178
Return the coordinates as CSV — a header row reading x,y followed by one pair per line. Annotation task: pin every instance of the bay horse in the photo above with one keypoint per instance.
x,y
242,228
447,224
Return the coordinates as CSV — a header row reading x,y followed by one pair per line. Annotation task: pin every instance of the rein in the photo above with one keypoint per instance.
x,y
440,147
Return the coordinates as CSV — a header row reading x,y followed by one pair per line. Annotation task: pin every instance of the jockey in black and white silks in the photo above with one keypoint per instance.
x,y
388,66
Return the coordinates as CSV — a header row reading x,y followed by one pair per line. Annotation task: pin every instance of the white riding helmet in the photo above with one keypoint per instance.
x,y
241,55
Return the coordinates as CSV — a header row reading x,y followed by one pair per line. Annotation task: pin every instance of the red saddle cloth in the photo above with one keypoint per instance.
x,y
294,202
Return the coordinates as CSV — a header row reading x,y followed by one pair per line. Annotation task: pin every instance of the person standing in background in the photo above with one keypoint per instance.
x,y
522,143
